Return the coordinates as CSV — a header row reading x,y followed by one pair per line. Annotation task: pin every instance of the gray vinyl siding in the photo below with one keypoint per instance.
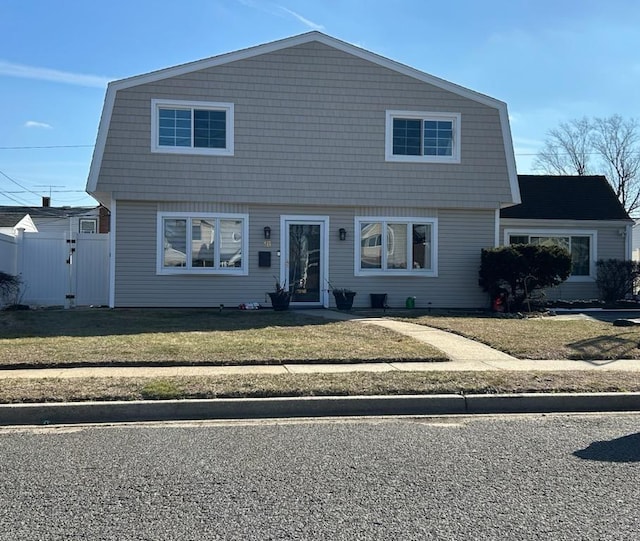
x,y
309,129
610,244
462,234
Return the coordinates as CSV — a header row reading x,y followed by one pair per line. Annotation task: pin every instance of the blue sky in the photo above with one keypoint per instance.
x,y
549,60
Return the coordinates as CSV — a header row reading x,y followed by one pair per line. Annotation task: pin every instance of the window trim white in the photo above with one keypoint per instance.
x,y
455,119
157,104
94,221
593,245
243,270
408,221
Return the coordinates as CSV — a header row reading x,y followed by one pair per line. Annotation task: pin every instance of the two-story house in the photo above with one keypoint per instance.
x,y
309,160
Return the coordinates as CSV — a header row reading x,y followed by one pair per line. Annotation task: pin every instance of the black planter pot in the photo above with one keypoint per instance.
x,y
280,301
344,300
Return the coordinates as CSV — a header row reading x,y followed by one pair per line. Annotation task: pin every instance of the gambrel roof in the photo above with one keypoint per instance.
x,y
309,37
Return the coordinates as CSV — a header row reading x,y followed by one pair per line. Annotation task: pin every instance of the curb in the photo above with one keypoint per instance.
x,y
265,408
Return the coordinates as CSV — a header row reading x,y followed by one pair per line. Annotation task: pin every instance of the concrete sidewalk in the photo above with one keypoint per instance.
x,y
464,355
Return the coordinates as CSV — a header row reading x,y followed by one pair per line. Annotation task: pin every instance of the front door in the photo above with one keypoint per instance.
x,y
304,262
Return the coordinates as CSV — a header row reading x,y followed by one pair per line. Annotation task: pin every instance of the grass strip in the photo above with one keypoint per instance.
x,y
351,384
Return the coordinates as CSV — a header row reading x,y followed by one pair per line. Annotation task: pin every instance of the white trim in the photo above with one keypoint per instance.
x,y
510,156
454,118
431,273
323,221
243,270
593,247
112,254
496,230
94,221
308,37
228,108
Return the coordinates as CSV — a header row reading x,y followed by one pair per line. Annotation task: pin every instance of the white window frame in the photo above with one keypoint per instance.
x,y
243,270
156,105
94,221
593,243
409,222
454,118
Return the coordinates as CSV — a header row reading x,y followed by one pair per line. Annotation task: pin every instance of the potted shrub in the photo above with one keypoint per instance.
x,y
281,297
344,298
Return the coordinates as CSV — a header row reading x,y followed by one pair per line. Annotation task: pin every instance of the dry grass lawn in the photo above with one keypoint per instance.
x,y
544,337
394,383
127,337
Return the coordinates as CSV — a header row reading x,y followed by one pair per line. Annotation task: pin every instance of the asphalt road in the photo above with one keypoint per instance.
x,y
509,477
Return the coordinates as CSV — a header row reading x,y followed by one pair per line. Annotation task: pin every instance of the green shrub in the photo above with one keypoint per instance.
x,y
616,278
521,271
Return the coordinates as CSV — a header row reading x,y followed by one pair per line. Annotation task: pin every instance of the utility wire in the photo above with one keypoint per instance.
x,y
18,184
44,147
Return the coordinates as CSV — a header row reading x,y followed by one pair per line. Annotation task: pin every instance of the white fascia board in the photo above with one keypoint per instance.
x,y
510,156
101,139
313,36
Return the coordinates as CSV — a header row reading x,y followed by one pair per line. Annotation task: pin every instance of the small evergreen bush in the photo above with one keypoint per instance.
x,y
616,279
519,272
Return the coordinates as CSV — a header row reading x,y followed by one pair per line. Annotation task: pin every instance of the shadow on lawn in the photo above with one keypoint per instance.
x,y
606,347
119,321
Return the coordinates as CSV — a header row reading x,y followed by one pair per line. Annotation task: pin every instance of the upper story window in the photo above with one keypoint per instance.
x,y
396,246
192,127
414,136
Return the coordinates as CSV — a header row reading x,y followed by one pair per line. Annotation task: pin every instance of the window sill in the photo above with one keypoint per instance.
x,y
201,272
389,273
193,151
422,159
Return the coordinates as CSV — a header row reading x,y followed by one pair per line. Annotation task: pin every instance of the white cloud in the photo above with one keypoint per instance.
x,y
306,22
45,74
36,124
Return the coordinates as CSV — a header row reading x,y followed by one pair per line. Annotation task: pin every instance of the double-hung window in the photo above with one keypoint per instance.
x,y
580,245
414,136
396,246
202,243
192,127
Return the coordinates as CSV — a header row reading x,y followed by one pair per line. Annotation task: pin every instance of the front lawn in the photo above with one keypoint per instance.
x,y
542,337
41,338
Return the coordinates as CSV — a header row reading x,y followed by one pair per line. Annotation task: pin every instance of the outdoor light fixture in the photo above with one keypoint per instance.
x,y
267,233
343,233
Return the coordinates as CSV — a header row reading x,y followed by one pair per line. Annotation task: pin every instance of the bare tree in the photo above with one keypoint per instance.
x,y
614,145
617,142
567,149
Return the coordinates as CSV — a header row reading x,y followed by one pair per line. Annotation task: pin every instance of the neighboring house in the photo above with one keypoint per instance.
x,y
48,219
579,213
306,159
59,253
635,242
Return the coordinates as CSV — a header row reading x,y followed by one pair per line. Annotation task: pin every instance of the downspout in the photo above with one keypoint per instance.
x,y
112,255
496,237
629,242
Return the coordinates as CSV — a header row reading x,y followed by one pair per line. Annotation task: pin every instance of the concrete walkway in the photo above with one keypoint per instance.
x,y
464,355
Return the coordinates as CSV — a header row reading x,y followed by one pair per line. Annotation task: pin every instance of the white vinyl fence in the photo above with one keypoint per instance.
x,y
60,271
8,254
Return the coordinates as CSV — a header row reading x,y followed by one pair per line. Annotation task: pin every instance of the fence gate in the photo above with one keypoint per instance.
x,y
64,270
